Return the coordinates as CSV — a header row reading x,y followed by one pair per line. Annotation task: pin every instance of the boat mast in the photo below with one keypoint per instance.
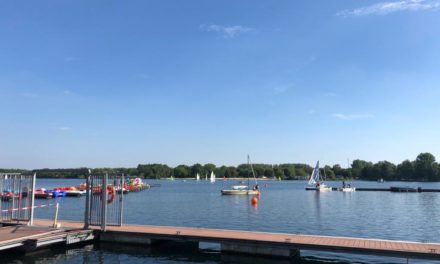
x,y
253,172
318,176
249,164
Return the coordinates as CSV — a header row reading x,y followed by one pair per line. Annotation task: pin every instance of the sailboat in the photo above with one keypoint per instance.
x,y
212,178
315,180
243,189
197,177
206,177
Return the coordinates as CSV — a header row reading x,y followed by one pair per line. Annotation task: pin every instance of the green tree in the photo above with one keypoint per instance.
x,y
289,171
329,172
278,171
385,170
181,171
221,171
133,172
244,170
196,168
207,168
338,171
405,171
356,168
302,169
426,167
231,172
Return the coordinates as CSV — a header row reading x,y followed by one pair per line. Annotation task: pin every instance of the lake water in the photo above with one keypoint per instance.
x,y
283,207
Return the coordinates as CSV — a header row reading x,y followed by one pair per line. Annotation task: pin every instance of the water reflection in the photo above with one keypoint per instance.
x,y
185,253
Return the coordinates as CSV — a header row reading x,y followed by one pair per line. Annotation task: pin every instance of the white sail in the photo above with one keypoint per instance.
x,y
212,176
198,177
314,178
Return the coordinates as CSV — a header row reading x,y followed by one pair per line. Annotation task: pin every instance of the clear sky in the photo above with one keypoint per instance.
x,y
118,83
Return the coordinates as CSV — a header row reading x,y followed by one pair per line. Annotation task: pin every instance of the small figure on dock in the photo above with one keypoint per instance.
x,y
256,187
343,184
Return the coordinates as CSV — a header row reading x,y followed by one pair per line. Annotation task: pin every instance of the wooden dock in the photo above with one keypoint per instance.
x,y
263,243
28,238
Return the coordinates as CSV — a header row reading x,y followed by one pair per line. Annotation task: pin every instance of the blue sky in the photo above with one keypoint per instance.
x,y
118,83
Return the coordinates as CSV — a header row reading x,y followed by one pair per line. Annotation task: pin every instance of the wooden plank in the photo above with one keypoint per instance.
x,y
305,241
13,233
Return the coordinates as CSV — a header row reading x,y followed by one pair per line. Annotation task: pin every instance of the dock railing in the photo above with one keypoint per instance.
x,y
17,198
104,201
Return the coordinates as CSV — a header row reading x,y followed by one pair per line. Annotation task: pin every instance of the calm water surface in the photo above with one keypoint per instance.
x,y
283,207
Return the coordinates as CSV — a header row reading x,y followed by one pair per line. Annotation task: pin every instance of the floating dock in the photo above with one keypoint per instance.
x,y
390,189
28,238
277,245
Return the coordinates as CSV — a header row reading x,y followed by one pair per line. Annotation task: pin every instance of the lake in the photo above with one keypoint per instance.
x,y
283,207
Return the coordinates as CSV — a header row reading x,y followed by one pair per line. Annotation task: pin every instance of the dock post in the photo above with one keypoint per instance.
x,y
14,204
55,217
121,201
31,217
87,210
104,202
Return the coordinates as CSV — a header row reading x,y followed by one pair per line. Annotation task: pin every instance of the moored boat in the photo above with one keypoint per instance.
x,y
348,189
122,190
243,189
57,193
75,193
42,194
8,195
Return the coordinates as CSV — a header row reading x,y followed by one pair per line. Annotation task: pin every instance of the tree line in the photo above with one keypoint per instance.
x,y
423,168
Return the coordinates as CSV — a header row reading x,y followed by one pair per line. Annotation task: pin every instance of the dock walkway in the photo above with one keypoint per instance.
x,y
30,238
263,243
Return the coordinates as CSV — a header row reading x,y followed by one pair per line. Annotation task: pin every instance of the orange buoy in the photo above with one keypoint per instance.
x,y
254,201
